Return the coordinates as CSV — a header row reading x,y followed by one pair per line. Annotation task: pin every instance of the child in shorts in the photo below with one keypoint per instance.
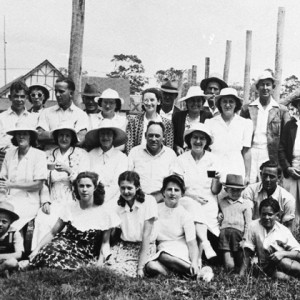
x,y
237,214
11,241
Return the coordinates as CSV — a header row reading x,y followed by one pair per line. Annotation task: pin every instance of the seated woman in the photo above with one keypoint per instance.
x,y
65,162
137,212
137,125
87,224
177,246
183,120
194,165
277,249
24,171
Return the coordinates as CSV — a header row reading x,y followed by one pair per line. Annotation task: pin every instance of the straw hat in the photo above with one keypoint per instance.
x,y
229,92
90,89
41,87
234,181
213,77
110,94
170,87
199,127
23,127
194,91
9,209
68,126
264,75
92,136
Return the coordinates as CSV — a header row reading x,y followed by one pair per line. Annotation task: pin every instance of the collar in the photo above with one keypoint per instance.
x,y
108,153
161,152
272,103
275,227
136,205
241,200
275,194
25,156
11,112
57,107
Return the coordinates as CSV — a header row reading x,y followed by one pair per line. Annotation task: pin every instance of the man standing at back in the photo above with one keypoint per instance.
x,y
212,86
268,119
64,111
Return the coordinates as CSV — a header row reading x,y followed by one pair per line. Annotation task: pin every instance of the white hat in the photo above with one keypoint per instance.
x,y
110,94
23,127
199,127
264,75
229,92
92,136
194,91
68,126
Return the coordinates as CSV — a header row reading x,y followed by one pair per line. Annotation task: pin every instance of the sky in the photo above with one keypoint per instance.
x,y
163,34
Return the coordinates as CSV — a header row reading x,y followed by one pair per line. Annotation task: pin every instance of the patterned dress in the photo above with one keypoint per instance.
x,y
80,244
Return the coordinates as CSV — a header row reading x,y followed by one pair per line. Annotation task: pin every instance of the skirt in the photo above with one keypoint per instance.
x,y
125,257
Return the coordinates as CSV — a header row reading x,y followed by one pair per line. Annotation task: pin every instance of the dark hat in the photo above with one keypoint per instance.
x,y
170,87
213,77
234,181
8,208
295,101
90,89
41,87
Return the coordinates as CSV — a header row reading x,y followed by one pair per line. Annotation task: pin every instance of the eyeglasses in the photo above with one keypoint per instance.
x,y
33,95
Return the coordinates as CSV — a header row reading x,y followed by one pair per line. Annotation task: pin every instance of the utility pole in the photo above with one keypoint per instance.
x,y
4,43
76,45
207,64
227,61
247,66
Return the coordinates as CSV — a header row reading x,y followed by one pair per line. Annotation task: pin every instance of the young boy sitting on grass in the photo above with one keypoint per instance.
x,y
236,217
277,249
11,242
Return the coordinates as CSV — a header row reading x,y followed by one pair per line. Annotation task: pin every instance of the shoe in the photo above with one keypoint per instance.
x,y
209,251
206,274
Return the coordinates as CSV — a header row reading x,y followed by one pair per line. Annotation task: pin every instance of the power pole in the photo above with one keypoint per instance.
x,y
4,43
247,66
227,61
76,45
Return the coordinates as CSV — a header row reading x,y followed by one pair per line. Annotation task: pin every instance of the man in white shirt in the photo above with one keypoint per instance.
x,y
268,119
64,111
16,114
153,161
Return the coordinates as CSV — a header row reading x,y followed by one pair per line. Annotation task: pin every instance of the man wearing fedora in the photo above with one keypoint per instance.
x,y
64,111
268,119
268,187
170,93
289,155
212,86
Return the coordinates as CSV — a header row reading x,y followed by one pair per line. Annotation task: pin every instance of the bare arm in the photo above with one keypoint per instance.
x,y
105,247
148,226
246,152
29,186
193,253
216,185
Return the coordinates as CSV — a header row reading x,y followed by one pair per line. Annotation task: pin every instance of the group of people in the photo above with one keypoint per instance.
x,y
167,190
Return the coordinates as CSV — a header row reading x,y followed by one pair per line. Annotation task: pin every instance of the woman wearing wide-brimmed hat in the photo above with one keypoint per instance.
x,y
183,120
106,160
200,195
232,136
65,162
289,155
24,171
137,125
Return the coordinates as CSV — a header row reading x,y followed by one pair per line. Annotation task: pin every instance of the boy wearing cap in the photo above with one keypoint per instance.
x,y
268,119
11,242
235,217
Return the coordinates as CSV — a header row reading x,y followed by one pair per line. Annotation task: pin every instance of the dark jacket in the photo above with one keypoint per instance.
x,y
179,125
287,141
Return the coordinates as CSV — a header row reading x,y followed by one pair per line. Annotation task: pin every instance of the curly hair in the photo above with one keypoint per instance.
x,y
269,202
19,86
32,141
73,137
99,191
174,178
158,95
271,164
133,178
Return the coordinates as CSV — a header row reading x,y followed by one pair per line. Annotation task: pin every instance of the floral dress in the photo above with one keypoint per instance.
x,y
80,244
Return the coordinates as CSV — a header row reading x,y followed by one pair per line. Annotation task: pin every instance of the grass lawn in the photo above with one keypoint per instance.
x,y
91,283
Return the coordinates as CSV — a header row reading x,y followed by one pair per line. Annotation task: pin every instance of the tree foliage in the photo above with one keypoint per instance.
x,y
169,74
289,85
131,68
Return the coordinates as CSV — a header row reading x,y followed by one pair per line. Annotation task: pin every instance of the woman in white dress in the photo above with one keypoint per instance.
x,y
23,173
65,162
232,136
177,246
200,196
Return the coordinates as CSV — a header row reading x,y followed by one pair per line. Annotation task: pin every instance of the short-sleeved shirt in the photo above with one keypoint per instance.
x,y
279,238
257,194
96,217
174,224
53,116
9,120
133,220
152,169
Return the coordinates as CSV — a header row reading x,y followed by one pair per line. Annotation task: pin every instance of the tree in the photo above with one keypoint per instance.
x,y
289,85
169,74
129,67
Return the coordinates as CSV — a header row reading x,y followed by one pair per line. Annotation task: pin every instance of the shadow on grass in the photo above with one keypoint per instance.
x,y
92,283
